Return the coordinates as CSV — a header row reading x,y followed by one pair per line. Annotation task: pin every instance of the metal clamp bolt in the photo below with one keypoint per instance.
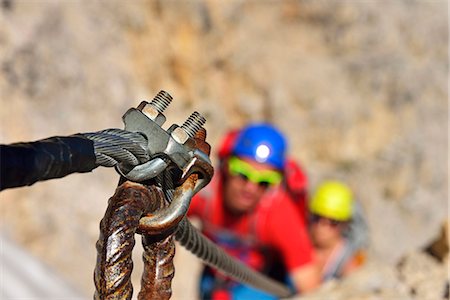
x,y
189,128
154,110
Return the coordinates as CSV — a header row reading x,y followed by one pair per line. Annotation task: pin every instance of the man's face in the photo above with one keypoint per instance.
x,y
245,183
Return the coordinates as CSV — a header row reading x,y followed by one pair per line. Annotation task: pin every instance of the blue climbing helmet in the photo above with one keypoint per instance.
x,y
263,143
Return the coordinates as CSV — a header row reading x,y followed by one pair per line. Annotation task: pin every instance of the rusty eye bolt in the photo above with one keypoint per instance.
x,y
152,208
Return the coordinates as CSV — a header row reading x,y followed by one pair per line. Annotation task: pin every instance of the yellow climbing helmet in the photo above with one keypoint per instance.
x,y
333,200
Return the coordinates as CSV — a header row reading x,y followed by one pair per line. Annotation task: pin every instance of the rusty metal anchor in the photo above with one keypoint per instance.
x,y
152,207
152,200
143,209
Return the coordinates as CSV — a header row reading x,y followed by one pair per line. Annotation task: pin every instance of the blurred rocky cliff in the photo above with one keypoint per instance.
x,y
359,87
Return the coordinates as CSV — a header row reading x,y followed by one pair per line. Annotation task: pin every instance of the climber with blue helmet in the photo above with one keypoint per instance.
x,y
338,230
245,211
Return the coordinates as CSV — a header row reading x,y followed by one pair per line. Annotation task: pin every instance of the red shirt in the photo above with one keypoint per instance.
x,y
275,224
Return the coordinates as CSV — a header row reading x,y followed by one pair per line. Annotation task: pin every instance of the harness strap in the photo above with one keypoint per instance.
x,y
335,265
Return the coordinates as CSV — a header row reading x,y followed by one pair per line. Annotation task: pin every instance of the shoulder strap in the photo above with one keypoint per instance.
x,y
334,269
357,233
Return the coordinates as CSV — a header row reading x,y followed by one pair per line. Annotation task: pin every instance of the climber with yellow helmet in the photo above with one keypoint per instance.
x,y
338,243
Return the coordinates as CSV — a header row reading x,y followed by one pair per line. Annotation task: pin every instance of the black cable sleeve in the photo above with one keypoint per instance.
x,y
23,164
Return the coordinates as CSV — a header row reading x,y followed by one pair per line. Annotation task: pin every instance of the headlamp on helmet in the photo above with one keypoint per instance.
x,y
263,143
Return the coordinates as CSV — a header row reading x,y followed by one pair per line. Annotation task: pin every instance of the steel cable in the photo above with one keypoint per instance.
x,y
190,238
116,146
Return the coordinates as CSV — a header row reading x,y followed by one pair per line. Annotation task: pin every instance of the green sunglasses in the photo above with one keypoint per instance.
x,y
265,178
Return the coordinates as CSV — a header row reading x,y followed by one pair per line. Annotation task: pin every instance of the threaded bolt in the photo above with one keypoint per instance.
x,y
161,101
193,124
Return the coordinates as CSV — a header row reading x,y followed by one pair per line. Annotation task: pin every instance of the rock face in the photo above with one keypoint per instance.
x,y
359,88
417,275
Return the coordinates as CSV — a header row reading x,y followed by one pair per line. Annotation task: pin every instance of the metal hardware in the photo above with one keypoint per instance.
x,y
154,110
189,128
175,146
114,247
156,208
151,205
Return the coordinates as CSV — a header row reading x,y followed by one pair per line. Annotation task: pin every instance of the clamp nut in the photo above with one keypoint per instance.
x,y
180,135
149,110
